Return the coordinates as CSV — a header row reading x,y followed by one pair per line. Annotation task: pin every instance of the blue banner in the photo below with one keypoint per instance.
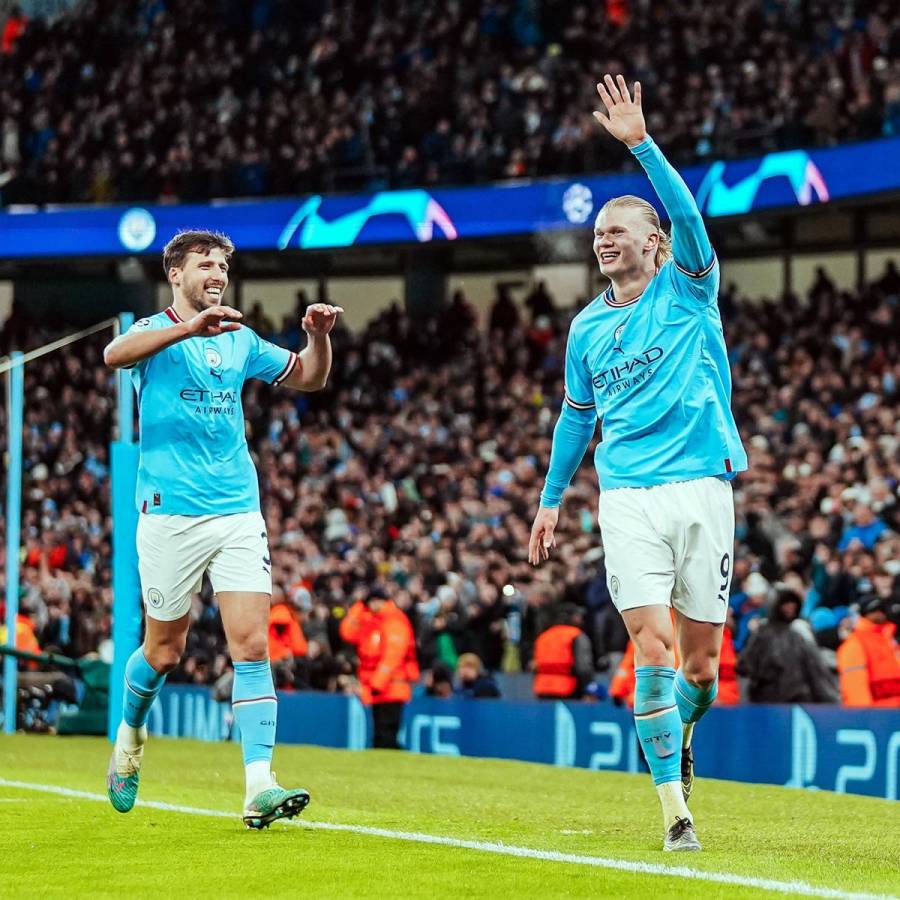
x,y
853,751
783,179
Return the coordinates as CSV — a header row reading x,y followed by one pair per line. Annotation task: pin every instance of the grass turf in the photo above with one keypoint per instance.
x,y
53,846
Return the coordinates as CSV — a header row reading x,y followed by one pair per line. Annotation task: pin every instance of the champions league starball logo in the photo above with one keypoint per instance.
x,y
310,228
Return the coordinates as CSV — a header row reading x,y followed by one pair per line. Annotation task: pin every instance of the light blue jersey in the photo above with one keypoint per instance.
x,y
194,456
654,370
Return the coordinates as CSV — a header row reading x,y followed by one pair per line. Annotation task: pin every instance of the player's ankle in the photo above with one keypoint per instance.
x,y
672,802
259,777
130,737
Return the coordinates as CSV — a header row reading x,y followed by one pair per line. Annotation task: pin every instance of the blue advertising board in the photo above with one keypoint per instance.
x,y
816,747
781,179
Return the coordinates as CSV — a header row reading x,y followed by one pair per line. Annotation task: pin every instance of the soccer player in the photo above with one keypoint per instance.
x,y
647,357
198,497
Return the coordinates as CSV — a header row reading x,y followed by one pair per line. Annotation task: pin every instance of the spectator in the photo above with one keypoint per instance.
x,y
748,605
563,660
869,659
781,664
13,29
473,682
439,682
866,528
405,95
428,453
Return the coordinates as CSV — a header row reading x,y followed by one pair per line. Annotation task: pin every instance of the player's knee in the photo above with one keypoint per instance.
x,y
250,648
164,657
700,671
653,649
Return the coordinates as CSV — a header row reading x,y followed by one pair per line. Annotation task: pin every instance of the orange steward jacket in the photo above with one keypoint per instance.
x,y
554,662
869,665
386,647
286,637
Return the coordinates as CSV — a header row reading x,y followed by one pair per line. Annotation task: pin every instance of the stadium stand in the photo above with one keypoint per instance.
x,y
293,96
377,478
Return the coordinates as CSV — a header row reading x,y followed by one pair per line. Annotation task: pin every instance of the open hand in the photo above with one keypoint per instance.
x,y
320,318
625,119
542,540
215,320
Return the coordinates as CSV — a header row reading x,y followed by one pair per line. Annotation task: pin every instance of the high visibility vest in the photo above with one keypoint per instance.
x,y
554,662
386,646
869,663
729,689
883,660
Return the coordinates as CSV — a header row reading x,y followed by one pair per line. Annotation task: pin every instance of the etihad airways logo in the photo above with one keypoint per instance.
x,y
202,395
629,372
211,403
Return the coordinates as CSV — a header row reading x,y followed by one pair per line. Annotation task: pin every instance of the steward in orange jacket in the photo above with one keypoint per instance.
x,y
563,659
26,639
869,660
622,685
286,638
388,666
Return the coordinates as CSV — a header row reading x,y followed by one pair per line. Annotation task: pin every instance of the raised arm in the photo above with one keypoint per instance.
x,y
691,248
141,343
314,361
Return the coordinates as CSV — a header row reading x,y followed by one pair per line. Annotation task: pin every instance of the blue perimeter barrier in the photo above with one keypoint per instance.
x,y
853,751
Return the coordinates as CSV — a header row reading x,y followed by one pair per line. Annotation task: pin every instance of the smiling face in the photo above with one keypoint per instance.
x,y
625,242
202,278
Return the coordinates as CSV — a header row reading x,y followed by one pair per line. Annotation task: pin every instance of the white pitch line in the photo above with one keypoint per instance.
x,y
801,888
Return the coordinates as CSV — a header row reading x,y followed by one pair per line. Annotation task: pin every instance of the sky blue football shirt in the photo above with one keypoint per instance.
x,y
194,458
654,369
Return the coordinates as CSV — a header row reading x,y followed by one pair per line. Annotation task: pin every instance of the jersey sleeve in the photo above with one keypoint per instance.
x,y
579,390
150,323
574,429
695,264
268,361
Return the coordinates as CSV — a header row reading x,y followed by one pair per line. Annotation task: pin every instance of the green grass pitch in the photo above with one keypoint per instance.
x,y
65,846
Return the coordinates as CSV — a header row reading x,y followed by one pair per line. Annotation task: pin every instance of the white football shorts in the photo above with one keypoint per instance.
x,y
671,544
175,551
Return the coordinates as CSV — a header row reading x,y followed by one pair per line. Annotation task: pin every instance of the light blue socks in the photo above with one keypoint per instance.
x,y
658,721
142,684
693,701
255,709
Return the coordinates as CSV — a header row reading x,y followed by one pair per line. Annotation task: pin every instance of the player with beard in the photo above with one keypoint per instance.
x,y
648,358
198,497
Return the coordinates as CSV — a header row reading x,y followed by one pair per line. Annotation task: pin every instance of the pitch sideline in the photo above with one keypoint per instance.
x,y
801,888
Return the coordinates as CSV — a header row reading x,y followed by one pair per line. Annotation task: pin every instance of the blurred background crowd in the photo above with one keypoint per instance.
x,y
157,100
417,471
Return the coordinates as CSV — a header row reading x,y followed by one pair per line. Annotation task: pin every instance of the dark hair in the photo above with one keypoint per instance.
x,y
184,242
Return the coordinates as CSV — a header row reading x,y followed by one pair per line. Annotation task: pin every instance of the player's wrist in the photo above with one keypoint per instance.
x,y
633,143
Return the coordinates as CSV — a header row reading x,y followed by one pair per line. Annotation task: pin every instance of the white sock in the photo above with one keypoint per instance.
x,y
687,734
259,777
129,737
672,801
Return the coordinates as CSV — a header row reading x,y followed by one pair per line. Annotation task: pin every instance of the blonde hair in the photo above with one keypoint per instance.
x,y
664,248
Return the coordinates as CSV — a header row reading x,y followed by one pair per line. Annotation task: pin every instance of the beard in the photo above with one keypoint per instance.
x,y
195,294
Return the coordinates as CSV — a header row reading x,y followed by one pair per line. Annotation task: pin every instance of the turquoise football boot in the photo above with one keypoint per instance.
x,y
124,775
275,803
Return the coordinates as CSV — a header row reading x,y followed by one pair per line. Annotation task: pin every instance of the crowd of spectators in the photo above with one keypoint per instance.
x,y
424,477
164,100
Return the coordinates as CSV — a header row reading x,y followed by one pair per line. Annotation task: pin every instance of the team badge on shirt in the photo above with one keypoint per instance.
x,y
214,360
